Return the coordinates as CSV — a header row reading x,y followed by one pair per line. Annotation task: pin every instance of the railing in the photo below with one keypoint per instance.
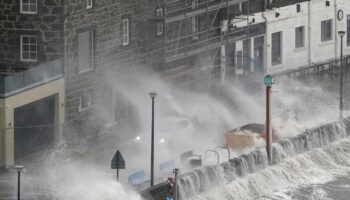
x,y
32,77
330,67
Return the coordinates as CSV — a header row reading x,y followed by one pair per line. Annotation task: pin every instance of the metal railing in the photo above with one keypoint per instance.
x,y
330,67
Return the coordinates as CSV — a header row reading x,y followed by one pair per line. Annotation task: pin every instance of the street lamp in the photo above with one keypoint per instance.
x,y
153,96
268,81
19,169
341,34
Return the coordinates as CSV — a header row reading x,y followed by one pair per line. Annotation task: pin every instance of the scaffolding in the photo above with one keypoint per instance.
x,y
201,28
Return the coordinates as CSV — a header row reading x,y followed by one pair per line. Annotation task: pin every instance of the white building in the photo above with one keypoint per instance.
x,y
296,35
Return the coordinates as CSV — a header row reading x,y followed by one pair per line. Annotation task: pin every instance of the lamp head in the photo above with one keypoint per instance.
x,y
19,168
153,95
268,80
341,33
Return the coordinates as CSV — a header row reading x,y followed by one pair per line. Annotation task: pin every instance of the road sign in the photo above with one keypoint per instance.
x,y
118,161
169,198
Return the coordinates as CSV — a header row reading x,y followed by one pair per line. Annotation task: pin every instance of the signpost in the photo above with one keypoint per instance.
x,y
175,192
118,162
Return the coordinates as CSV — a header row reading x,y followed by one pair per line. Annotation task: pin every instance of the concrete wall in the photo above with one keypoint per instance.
x,y
9,104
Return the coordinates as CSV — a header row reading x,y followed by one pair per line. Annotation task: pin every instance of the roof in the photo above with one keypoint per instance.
x,y
252,127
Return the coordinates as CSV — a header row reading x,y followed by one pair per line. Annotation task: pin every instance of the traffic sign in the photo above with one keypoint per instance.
x,y
169,198
118,161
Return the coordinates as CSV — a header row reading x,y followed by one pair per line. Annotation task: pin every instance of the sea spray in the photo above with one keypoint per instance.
x,y
295,164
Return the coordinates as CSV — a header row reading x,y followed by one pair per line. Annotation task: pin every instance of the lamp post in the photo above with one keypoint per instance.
x,y
268,81
175,171
341,34
19,169
153,96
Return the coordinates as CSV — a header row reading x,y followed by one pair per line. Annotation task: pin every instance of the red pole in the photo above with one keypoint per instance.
x,y
268,125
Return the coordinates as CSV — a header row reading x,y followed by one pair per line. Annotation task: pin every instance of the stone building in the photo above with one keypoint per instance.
x,y
106,41
31,77
31,33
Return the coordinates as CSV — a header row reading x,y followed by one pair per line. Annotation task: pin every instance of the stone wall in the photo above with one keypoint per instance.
x,y
47,25
113,62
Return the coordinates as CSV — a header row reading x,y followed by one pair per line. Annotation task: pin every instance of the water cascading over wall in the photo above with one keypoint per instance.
x,y
203,180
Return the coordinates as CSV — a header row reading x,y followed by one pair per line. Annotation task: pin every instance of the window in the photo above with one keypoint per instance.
x,y
88,4
298,8
125,24
29,48
85,100
246,55
159,12
276,48
348,30
29,6
160,28
239,60
326,30
299,37
240,8
85,53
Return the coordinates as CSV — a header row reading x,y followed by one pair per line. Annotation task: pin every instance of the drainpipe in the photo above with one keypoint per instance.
x,y
309,32
65,46
265,43
335,30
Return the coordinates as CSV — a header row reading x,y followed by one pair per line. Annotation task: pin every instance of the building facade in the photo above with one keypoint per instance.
x,y
31,77
31,33
310,36
105,45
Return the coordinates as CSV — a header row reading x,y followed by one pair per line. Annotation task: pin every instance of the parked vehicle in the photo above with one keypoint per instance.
x,y
245,136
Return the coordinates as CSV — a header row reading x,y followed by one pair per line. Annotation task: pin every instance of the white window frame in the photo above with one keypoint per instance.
x,y
88,105
159,12
302,39
330,31
36,51
125,31
28,12
160,28
280,58
89,4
